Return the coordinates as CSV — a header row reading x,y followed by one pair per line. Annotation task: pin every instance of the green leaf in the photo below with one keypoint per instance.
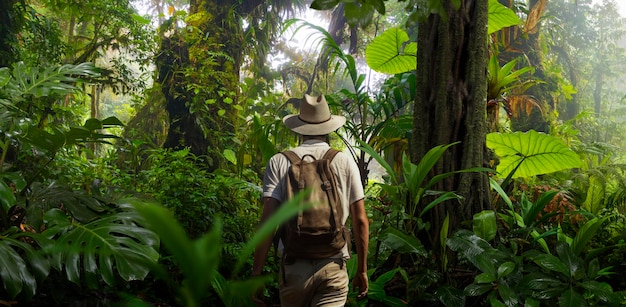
x,y
202,272
15,276
381,161
540,281
530,213
84,208
496,187
494,301
575,266
585,234
41,139
526,154
92,124
352,13
401,242
379,5
484,278
593,268
115,241
16,178
415,175
477,289
239,292
442,198
377,288
386,277
571,298
198,260
505,269
41,82
443,237
596,193
552,263
262,139
469,245
324,4
484,262
602,291
392,52
7,199
500,17
286,211
508,295
230,156
531,302
21,266
450,296
484,224
111,122
540,240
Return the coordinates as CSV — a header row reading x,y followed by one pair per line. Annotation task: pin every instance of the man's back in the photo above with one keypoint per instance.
x,y
306,281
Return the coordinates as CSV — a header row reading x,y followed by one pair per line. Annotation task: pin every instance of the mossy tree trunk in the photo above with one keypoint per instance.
x,y
11,20
450,106
199,72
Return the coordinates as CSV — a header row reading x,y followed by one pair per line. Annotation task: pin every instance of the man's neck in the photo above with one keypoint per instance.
x,y
314,137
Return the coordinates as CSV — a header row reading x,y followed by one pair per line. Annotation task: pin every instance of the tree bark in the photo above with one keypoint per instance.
x,y
200,81
450,106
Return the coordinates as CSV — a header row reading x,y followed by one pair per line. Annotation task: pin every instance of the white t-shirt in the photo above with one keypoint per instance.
x,y
343,166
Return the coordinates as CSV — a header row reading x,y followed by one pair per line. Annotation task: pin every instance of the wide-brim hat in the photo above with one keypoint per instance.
x,y
314,118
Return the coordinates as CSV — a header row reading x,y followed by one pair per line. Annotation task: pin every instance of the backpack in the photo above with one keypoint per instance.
x,y
317,232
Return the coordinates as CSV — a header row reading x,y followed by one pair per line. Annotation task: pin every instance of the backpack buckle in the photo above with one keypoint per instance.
x,y
327,186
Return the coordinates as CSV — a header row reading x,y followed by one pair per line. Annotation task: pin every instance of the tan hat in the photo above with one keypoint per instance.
x,y
314,117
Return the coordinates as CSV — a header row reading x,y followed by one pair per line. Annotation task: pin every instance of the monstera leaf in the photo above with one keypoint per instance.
x,y
21,265
392,52
112,242
530,153
24,81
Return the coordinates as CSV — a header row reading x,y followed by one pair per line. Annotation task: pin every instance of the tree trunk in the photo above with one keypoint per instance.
x,y
450,106
200,77
9,28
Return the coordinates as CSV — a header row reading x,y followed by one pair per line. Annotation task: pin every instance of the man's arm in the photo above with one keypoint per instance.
x,y
260,253
360,229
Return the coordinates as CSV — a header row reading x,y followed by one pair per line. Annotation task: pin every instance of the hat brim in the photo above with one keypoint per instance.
x,y
295,124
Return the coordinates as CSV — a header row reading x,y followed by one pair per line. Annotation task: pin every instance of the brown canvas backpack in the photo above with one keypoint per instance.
x,y
317,232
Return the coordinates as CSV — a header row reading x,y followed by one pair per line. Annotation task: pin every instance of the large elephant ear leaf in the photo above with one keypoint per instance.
x,y
392,52
113,242
500,17
526,154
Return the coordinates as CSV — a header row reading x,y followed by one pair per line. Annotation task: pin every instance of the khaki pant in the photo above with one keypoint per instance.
x,y
314,282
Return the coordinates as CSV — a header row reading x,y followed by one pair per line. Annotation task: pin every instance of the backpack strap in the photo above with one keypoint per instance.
x,y
292,156
329,156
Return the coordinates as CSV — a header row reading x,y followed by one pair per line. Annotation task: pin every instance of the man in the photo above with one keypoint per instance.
x,y
317,282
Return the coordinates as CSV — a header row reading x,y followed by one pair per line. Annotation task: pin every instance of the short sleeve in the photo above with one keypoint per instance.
x,y
272,178
355,187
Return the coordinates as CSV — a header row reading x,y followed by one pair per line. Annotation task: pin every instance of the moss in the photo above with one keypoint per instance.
x,y
199,19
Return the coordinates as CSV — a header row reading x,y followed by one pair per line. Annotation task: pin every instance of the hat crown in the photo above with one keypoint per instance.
x,y
314,111
314,118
